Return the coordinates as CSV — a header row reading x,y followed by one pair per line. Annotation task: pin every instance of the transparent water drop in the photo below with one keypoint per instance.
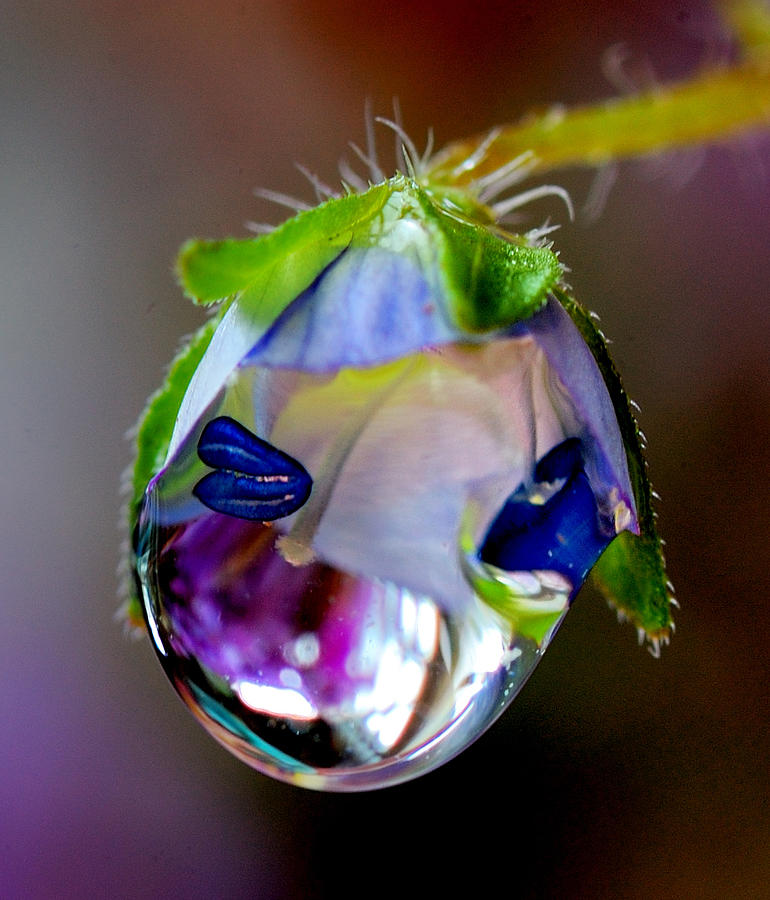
x,y
363,638
321,678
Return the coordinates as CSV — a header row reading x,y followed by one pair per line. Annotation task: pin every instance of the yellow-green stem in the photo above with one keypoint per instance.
x,y
713,105
749,21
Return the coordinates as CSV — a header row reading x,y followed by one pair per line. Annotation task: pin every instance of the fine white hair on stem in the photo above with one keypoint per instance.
x,y
259,227
536,235
504,207
470,162
369,158
414,161
351,177
515,170
282,199
401,138
407,150
322,190
428,152
371,143
375,172
598,193
676,168
399,120
631,74
626,72
487,188
408,158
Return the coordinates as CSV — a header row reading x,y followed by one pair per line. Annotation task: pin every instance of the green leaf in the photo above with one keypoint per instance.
x,y
495,282
157,421
153,435
281,264
631,572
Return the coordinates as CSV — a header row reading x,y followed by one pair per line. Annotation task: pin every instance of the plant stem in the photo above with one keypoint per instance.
x,y
713,105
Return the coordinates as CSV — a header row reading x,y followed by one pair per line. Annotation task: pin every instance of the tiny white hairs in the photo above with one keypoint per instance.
x,y
492,190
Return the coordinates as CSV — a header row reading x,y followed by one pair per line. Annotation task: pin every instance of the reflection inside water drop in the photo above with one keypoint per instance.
x,y
318,677
434,517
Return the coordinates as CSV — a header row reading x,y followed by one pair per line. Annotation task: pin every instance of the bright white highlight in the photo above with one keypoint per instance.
x,y
275,701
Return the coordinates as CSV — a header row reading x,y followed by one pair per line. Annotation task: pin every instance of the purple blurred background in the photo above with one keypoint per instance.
x,y
128,127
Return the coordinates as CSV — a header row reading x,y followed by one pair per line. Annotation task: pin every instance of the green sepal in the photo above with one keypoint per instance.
x,y
631,573
495,281
153,435
268,272
492,281
156,424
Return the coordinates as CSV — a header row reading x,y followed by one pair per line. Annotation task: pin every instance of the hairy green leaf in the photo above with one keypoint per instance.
x,y
495,282
287,259
157,421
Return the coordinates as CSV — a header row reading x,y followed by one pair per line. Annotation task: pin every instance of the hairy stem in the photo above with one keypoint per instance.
x,y
712,105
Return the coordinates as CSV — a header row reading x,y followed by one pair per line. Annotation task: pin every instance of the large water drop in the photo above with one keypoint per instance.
x,y
371,632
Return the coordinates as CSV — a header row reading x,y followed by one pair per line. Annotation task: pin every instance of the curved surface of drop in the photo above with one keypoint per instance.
x,y
348,575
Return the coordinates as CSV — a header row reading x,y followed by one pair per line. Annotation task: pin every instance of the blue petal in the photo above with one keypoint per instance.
x,y
574,364
369,306
563,460
564,534
255,480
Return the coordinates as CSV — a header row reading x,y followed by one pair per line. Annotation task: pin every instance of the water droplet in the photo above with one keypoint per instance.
x,y
315,676
361,638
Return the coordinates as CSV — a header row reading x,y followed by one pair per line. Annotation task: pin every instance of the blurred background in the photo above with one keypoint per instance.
x,y
126,128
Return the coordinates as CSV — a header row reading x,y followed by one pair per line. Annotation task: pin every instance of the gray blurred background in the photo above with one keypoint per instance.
x,y
126,128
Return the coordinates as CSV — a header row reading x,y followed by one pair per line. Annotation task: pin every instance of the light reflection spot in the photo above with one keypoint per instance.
x,y
304,650
274,701
290,678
